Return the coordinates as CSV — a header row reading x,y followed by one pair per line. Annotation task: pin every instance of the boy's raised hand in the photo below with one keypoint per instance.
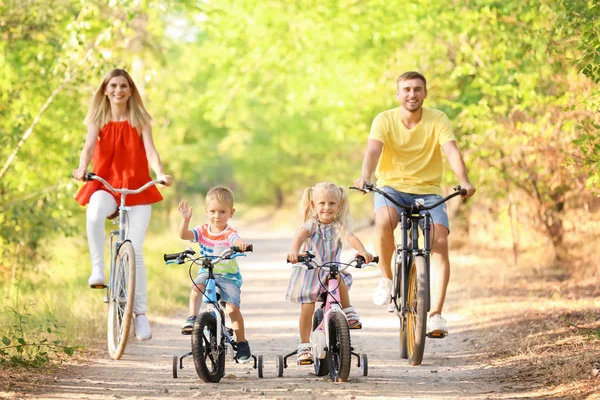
x,y
185,210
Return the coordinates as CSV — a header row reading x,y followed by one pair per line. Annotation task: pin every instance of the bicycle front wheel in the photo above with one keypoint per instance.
x,y
208,353
120,300
398,285
338,352
416,316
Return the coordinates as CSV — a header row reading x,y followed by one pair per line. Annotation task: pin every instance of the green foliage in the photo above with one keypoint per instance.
x,y
26,345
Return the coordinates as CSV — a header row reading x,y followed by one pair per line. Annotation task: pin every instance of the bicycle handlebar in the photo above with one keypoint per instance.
x,y
90,176
369,187
307,260
187,253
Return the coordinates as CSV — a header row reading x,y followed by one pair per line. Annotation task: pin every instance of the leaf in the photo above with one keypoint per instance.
x,y
5,340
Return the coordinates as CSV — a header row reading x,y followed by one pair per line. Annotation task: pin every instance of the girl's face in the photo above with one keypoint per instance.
x,y
326,204
218,214
118,90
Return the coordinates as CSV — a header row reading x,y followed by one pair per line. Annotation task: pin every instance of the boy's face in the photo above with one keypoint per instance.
x,y
218,214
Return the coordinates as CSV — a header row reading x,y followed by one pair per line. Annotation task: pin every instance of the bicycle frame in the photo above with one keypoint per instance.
x,y
121,219
319,337
409,224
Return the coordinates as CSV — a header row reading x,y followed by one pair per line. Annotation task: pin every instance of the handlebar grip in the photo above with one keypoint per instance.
x,y
463,192
169,257
249,248
375,259
88,176
162,182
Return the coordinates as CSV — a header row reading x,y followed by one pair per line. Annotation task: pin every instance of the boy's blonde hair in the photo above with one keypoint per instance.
x,y
221,194
342,220
99,113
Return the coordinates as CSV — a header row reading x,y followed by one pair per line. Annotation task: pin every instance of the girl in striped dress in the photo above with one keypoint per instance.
x,y
326,222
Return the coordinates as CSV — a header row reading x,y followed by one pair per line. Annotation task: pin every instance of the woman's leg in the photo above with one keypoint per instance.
x,y
138,220
101,205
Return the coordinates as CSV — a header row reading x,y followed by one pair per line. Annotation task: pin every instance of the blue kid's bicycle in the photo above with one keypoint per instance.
x,y
211,339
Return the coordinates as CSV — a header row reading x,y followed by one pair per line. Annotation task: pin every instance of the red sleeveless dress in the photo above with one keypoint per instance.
x,y
120,158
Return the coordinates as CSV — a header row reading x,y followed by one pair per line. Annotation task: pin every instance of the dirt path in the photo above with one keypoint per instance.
x,y
454,367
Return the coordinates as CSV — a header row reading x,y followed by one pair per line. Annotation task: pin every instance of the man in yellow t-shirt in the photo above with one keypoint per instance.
x,y
405,152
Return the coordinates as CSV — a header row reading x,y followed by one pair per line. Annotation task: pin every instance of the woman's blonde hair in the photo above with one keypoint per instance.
x,y
99,113
342,219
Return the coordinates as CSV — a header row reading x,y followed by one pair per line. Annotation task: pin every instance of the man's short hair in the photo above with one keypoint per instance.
x,y
411,75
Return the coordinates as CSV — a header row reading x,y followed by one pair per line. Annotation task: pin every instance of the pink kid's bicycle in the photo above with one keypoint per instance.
x,y
330,337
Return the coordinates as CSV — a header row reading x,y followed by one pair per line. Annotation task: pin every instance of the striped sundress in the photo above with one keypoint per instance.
x,y
305,286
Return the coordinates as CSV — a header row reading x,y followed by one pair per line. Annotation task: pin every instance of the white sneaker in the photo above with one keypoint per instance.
x,y
437,324
142,327
97,277
382,294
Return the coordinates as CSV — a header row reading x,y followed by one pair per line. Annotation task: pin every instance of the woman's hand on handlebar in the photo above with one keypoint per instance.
x,y
79,173
167,179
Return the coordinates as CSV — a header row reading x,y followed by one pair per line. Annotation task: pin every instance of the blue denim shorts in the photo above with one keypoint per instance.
x,y
230,292
439,215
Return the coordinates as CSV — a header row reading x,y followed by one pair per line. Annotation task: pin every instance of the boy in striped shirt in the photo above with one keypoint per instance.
x,y
214,237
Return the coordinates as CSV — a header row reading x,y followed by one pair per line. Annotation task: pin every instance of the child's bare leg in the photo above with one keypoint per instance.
x,y
195,299
344,296
237,322
305,324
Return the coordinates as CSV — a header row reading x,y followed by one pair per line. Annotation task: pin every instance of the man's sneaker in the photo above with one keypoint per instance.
x,y
436,326
243,352
382,294
142,327
96,279
188,325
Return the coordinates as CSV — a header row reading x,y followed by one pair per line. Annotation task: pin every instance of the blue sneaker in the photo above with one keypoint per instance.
x,y
188,325
243,352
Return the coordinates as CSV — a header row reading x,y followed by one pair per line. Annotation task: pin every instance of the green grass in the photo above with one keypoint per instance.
x,y
57,288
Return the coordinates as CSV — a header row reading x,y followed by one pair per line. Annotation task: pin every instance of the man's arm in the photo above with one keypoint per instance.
x,y
457,164
374,149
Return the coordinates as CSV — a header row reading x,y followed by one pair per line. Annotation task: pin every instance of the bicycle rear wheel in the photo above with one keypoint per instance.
x,y
120,300
208,353
338,352
416,316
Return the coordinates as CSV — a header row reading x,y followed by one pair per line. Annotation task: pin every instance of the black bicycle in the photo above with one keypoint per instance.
x,y
410,290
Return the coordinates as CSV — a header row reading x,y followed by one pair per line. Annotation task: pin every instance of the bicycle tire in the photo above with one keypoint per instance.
x,y
338,350
207,350
320,365
401,317
120,300
416,316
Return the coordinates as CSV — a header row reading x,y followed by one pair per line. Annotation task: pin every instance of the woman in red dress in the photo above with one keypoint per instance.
x,y
119,144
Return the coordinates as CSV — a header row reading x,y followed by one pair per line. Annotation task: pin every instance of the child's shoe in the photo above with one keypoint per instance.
x,y
353,318
243,352
188,325
304,354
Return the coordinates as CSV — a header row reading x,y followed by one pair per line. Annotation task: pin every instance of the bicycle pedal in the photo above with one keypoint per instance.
x,y
186,331
436,335
305,362
103,286
359,326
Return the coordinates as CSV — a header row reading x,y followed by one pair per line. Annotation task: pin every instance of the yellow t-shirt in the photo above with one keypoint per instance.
x,y
411,160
